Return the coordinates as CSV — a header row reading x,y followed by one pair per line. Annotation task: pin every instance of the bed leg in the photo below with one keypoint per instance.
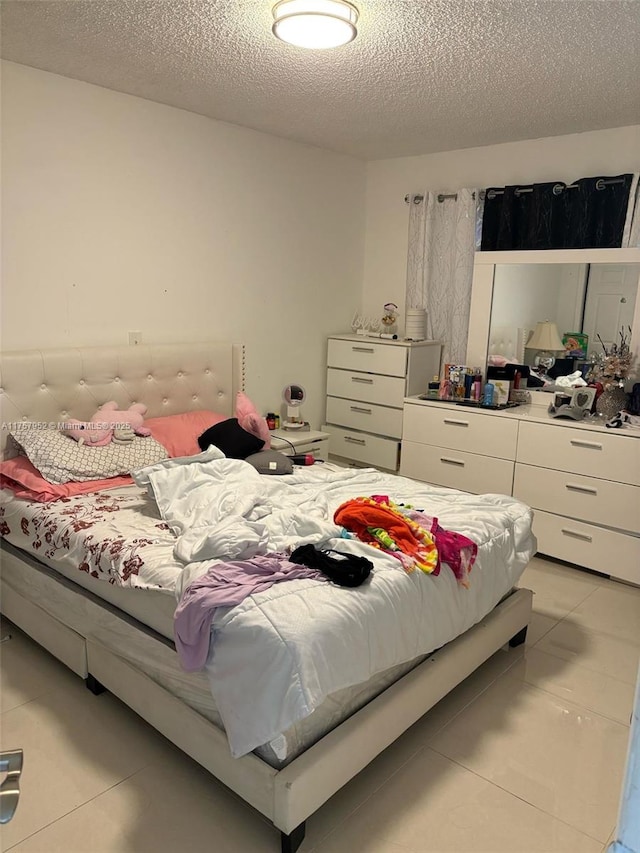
x,y
291,842
519,638
94,685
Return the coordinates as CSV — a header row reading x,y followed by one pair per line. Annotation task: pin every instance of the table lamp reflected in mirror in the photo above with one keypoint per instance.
x,y
546,340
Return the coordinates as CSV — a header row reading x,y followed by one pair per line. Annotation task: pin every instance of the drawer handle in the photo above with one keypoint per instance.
x,y
361,379
361,410
354,440
451,461
588,490
594,445
576,534
454,422
363,349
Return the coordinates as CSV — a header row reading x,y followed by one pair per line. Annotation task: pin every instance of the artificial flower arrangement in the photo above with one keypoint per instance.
x,y
390,316
611,367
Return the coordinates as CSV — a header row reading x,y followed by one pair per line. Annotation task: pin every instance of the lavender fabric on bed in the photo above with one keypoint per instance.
x,y
225,585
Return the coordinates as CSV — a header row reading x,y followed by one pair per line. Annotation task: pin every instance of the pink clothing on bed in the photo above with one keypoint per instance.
x,y
457,551
26,482
225,585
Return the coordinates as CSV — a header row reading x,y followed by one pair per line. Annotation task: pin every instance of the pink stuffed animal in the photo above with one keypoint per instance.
x,y
250,420
107,423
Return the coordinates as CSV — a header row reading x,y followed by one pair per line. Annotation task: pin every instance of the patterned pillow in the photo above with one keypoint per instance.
x,y
61,459
26,482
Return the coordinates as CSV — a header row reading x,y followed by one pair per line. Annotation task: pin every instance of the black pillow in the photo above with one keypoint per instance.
x,y
231,439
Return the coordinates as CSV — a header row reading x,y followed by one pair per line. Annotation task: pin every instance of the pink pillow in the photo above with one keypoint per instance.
x,y
178,434
25,481
251,420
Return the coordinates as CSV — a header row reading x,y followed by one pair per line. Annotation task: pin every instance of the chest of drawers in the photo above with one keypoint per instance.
x,y
367,382
459,448
582,480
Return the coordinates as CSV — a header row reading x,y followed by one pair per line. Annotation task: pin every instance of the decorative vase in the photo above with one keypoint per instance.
x,y
611,401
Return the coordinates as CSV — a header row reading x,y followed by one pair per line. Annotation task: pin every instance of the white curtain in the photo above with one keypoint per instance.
x,y
440,266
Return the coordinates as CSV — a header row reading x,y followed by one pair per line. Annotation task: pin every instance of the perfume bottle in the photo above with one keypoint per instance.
x,y
468,386
433,388
476,387
488,396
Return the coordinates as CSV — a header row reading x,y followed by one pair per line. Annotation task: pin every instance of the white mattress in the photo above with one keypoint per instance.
x,y
148,606
158,659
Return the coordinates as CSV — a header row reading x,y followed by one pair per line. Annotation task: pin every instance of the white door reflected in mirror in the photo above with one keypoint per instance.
x,y
610,302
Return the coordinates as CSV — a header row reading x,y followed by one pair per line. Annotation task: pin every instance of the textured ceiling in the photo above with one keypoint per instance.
x,y
422,75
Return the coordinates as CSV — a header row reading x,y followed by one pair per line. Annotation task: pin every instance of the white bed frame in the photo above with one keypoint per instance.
x,y
57,384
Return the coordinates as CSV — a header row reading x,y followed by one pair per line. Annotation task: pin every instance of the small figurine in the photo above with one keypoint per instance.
x,y
390,318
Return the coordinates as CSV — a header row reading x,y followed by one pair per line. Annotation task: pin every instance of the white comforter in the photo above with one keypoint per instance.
x,y
276,656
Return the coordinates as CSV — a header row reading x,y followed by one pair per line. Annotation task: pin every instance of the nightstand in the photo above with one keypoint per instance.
x,y
303,441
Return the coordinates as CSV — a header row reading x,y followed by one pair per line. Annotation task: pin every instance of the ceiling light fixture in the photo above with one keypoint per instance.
x,y
315,24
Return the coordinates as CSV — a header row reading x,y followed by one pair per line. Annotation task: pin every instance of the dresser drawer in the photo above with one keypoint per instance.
x,y
361,447
594,453
468,472
586,498
461,429
606,551
367,387
367,356
365,416
318,448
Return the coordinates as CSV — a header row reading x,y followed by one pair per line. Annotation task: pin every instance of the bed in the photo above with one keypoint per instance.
x,y
119,637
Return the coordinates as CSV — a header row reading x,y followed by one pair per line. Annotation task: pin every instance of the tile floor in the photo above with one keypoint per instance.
x,y
526,756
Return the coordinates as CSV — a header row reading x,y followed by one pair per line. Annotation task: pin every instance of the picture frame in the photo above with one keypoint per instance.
x,y
573,403
575,344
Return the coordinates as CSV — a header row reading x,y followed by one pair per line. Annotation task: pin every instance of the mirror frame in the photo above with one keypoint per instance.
x,y
286,395
482,290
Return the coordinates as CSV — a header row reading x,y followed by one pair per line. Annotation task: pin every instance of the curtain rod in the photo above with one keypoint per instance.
x,y
417,199
558,188
600,184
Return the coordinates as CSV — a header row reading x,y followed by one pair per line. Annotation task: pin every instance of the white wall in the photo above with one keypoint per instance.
x,y
122,214
524,294
608,152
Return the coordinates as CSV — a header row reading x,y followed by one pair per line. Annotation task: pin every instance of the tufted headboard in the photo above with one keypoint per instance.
x,y
57,384
508,341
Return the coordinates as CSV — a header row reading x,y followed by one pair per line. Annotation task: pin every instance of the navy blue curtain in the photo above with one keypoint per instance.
x,y
589,214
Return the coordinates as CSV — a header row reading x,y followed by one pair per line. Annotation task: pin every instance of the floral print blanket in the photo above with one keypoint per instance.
x,y
116,536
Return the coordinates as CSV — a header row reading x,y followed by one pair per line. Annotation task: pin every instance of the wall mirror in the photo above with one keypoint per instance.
x,y
587,291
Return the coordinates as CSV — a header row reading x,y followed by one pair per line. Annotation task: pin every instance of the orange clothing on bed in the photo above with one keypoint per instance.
x,y
361,514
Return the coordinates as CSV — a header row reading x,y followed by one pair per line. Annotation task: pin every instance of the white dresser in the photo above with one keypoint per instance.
x,y
582,480
367,381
